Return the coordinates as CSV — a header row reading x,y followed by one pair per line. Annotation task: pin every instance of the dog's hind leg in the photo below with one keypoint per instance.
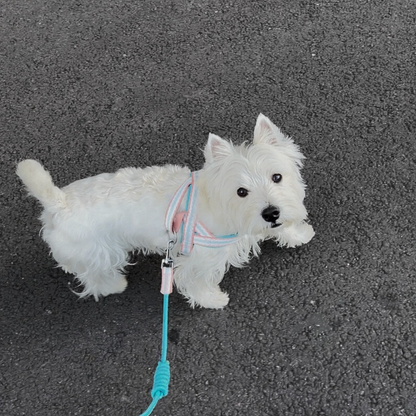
x,y
98,269
101,282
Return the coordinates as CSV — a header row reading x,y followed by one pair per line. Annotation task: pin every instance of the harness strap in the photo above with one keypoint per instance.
x,y
192,230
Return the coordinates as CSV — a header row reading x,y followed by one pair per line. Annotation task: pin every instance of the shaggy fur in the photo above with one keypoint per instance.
x,y
93,224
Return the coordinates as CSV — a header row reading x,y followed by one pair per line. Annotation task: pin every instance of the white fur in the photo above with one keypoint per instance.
x,y
92,224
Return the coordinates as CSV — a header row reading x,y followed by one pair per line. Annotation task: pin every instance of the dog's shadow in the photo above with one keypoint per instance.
x,y
144,278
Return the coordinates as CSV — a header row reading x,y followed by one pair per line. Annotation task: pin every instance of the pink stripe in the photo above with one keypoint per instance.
x,y
175,204
190,224
202,230
215,242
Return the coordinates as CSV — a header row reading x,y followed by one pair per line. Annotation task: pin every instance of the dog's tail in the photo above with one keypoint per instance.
x,y
39,184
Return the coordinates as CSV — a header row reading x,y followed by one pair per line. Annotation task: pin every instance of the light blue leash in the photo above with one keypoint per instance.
x,y
162,373
192,232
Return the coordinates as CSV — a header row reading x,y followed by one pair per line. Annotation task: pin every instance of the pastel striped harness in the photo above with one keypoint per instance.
x,y
192,232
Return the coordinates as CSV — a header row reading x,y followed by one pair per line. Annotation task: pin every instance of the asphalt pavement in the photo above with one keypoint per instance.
x,y
325,329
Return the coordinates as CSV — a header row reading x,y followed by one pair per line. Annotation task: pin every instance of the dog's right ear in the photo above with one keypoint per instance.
x,y
267,132
216,148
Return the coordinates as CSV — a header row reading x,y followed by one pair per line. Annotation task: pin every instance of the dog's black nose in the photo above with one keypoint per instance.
x,y
270,214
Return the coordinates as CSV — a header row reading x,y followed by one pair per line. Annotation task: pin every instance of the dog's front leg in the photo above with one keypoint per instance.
x,y
293,235
198,275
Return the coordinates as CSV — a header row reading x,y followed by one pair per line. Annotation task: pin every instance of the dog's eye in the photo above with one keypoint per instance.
x,y
242,192
277,177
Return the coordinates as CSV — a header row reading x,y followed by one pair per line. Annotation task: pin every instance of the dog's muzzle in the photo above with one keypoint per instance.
x,y
271,214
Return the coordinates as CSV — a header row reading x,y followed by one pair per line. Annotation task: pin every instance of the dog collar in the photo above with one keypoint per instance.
x,y
192,230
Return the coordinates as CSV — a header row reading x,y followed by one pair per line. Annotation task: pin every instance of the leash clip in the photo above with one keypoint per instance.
x,y
168,260
167,270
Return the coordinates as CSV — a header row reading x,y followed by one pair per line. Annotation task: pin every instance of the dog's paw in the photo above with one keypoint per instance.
x,y
305,232
296,234
217,300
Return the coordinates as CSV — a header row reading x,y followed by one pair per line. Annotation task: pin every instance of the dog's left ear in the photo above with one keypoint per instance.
x,y
216,148
267,132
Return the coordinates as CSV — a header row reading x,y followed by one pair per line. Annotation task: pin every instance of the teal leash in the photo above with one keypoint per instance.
x,y
191,231
162,374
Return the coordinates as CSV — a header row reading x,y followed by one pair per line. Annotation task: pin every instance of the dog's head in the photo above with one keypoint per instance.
x,y
255,187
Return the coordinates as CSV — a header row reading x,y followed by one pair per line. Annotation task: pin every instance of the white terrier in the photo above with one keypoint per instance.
x,y
245,194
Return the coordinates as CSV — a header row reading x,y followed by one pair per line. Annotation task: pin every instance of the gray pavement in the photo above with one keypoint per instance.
x,y
325,329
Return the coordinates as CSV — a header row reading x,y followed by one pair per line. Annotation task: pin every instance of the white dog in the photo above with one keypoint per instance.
x,y
243,195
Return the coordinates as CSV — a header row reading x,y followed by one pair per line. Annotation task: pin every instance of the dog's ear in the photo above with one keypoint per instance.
x,y
267,132
216,148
